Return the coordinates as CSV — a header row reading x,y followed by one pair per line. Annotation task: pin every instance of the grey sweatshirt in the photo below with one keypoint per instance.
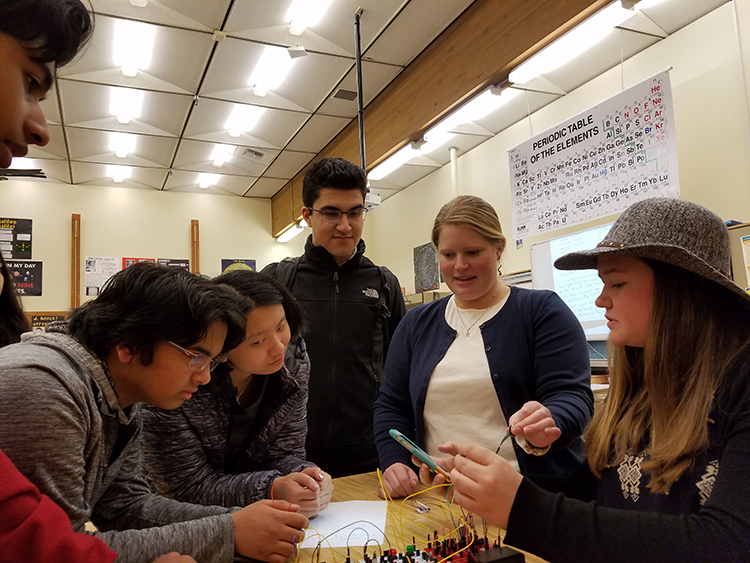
x,y
59,424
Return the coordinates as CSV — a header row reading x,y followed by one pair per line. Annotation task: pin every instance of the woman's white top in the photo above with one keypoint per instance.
x,y
461,403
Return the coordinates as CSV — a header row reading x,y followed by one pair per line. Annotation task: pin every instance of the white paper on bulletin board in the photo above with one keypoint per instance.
x,y
98,269
597,163
746,254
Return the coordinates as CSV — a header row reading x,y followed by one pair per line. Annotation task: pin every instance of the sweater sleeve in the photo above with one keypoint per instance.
x,y
35,530
393,407
562,370
564,530
51,442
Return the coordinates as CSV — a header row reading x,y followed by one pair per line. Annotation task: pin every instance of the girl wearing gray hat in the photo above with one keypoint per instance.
x,y
667,476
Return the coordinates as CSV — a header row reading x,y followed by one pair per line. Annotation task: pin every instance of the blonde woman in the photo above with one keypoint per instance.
x,y
487,361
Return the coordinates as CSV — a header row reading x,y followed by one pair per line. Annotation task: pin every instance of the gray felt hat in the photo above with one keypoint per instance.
x,y
669,230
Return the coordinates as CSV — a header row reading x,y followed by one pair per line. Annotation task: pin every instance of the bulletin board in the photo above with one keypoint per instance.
x,y
598,163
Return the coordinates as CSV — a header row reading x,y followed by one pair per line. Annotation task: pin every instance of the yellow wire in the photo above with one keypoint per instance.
x,y
318,547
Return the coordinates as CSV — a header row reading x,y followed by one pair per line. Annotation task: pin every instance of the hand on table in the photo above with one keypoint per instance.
x,y
483,482
534,422
399,481
304,489
267,533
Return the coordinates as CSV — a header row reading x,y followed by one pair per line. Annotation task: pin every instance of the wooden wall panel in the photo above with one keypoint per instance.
x,y
281,210
297,196
480,48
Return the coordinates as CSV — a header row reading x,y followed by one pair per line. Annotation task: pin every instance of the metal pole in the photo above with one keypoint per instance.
x,y
360,106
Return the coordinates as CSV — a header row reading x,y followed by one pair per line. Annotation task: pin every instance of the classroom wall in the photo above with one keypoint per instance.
x,y
136,223
709,84
713,142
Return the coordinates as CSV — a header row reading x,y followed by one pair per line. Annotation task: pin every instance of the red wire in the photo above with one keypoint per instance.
x,y
291,492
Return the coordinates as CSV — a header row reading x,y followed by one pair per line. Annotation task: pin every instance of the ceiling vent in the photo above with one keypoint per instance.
x,y
343,94
253,155
21,173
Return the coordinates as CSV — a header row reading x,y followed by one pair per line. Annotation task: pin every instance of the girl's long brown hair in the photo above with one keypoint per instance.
x,y
661,395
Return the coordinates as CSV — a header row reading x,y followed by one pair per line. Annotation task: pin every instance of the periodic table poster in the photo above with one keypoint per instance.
x,y
597,163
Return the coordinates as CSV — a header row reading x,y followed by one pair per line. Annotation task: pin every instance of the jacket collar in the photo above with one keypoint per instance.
x,y
321,257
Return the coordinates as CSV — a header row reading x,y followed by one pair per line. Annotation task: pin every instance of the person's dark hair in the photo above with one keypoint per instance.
x,y
13,322
259,290
145,304
53,31
335,173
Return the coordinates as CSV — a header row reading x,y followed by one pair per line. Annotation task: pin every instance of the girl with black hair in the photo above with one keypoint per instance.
x,y
241,438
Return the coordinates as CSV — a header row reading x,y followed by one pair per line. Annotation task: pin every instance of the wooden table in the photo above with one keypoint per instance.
x,y
365,487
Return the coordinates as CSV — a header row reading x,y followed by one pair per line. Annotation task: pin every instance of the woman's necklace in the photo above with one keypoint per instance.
x,y
468,328
244,387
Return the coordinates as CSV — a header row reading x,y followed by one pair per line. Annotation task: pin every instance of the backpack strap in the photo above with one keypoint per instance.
x,y
286,271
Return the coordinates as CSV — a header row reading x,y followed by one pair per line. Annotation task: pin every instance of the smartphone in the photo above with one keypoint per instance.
x,y
420,454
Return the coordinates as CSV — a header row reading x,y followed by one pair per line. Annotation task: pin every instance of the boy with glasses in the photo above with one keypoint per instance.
x,y
70,415
353,308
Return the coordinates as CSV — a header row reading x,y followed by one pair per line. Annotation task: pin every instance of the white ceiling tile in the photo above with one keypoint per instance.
x,y
96,175
273,130
182,181
266,187
375,77
263,20
310,80
288,163
192,14
179,59
316,133
196,156
57,170
93,146
87,105
414,29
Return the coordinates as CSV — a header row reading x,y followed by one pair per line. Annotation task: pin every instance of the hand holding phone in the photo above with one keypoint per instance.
x,y
418,452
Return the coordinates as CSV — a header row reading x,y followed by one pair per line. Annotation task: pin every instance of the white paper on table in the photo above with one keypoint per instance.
x,y
355,521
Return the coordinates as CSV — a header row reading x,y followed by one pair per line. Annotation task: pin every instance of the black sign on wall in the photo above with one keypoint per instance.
x,y
15,238
26,276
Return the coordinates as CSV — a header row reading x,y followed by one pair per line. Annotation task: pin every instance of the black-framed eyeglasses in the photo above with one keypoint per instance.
x,y
199,362
333,215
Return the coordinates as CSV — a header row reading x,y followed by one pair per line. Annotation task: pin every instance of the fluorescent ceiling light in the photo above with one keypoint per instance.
x,y
122,143
573,43
305,13
205,180
290,233
243,118
22,163
482,105
394,161
271,70
118,173
139,3
133,46
126,103
221,154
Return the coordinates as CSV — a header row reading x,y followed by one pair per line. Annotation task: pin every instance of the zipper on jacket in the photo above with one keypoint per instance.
x,y
336,280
